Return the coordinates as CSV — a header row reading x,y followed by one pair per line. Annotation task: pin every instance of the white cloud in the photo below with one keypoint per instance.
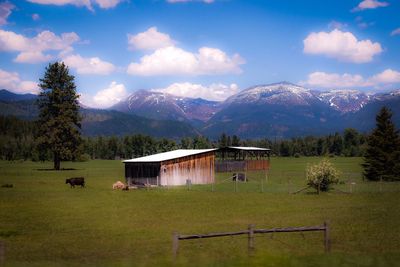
x,y
334,80
184,1
32,57
369,4
341,45
107,3
150,40
106,98
5,11
176,61
215,91
387,76
87,3
31,49
11,81
93,65
395,32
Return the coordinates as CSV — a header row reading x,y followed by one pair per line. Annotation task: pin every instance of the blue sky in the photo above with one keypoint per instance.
x,y
200,48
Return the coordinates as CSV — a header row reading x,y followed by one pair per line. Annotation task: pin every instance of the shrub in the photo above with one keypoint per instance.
x,y
322,175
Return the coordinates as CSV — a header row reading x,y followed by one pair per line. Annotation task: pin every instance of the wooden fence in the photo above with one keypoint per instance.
x,y
250,232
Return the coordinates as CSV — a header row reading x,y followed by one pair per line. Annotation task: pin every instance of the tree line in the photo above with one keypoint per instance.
x,y
18,142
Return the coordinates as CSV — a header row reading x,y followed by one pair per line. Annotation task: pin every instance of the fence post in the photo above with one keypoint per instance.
x,y
250,237
326,237
175,244
262,186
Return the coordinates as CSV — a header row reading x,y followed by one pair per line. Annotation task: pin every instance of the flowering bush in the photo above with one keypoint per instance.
x,y
322,175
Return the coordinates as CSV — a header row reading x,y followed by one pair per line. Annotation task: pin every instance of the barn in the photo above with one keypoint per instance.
x,y
234,159
172,168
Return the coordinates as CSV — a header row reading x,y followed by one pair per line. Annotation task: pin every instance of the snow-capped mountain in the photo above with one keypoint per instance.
x,y
158,105
280,109
282,93
345,100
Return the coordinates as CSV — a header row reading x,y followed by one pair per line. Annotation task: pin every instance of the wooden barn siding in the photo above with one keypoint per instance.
x,y
247,165
198,168
257,165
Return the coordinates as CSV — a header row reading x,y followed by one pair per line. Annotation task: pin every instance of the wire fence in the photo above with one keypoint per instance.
x,y
290,182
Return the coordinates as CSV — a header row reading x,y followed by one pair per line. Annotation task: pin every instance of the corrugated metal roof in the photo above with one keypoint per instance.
x,y
179,153
249,148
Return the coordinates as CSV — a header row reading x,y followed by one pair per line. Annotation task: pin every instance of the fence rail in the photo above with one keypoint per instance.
x,y
250,232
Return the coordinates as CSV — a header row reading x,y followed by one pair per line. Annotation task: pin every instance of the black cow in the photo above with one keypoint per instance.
x,y
239,176
76,181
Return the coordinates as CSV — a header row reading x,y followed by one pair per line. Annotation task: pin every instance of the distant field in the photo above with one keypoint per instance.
x,y
45,223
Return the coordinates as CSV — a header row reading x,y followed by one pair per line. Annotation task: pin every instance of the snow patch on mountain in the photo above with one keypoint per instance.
x,y
344,100
282,93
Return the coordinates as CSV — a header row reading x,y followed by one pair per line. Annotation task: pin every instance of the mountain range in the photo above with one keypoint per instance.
x,y
280,110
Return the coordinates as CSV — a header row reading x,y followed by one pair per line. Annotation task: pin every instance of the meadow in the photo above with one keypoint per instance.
x,y
43,222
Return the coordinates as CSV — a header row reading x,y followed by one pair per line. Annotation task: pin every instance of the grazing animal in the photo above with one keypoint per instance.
x,y
76,181
239,176
118,185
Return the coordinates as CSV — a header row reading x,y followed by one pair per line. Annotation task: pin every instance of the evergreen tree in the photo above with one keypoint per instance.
x,y
382,157
59,119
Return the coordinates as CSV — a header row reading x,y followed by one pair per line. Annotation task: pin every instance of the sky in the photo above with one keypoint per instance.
x,y
200,48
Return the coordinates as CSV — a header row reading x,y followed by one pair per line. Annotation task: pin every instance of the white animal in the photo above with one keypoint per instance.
x,y
118,185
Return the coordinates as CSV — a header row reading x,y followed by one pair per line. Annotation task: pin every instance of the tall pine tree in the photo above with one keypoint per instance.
x,y
59,119
382,157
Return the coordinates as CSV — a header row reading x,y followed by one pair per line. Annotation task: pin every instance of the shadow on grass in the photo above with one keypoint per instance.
x,y
62,169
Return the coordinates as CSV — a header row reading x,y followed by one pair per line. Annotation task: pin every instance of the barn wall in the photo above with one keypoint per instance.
x,y
198,168
257,165
246,165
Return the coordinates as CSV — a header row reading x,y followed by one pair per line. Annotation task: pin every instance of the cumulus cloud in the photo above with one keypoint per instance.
x,y
395,32
334,80
11,81
388,76
5,11
176,61
215,91
343,46
92,65
369,4
87,3
107,97
150,40
31,50
184,1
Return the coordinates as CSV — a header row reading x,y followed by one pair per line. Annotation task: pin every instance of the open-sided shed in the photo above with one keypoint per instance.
x,y
172,168
236,159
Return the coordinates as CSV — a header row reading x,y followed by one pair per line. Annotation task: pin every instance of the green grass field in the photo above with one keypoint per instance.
x,y
45,223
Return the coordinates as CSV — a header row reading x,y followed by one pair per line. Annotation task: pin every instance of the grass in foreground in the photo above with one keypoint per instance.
x,y
45,223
